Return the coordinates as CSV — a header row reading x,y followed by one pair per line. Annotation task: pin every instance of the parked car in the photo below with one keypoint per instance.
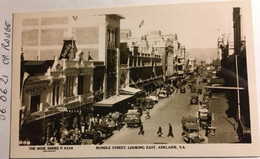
x,y
154,98
203,117
193,89
204,80
162,94
194,100
105,130
148,103
91,138
183,90
199,91
204,104
114,120
191,130
133,118
207,96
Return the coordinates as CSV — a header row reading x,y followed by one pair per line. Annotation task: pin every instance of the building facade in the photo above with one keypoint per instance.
x,y
160,56
98,36
55,94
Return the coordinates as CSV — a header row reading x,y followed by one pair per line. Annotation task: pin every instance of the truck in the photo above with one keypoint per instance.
x,y
203,117
133,118
191,130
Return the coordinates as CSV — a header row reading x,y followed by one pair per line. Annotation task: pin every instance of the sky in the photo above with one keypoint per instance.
x,y
198,25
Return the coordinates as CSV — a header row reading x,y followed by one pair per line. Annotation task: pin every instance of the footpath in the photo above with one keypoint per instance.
x,y
225,127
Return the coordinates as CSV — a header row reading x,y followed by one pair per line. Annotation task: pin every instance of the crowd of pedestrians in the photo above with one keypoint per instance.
x,y
70,134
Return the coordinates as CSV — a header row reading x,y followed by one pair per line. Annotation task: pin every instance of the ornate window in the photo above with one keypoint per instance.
x,y
69,86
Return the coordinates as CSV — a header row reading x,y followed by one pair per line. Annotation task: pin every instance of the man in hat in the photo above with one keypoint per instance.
x,y
170,131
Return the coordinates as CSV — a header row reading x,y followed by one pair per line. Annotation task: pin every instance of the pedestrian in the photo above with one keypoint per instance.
x,y
207,130
141,129
159,132
170,131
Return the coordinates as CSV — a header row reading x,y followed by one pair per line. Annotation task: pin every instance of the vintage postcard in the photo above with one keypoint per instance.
x,y
175,80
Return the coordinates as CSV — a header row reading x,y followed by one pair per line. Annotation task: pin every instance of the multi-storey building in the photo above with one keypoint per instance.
x,y
234,59
144,65
55,93
96,35
41,41
191,65
181,60
154,53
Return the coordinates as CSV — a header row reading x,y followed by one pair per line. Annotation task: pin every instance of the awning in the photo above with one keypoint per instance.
x,y
160,82
129,91
109,102
172,78
156,84
44,114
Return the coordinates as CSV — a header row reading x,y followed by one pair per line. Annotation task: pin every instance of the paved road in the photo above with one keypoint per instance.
x,y
168,110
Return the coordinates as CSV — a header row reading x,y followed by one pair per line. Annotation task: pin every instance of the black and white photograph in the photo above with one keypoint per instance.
x,y
173,79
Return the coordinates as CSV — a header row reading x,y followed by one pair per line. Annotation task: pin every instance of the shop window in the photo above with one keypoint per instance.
x,y
84,84
113,36
55,93
80,85
87,83
35,103
179,67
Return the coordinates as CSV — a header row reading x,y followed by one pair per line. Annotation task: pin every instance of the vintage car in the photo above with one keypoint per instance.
x,y
203,117
199,91
193,89
204,80
191,130
162,94
133,118
207,89
207,96
183,90
194,100
204,104
189,80
91,138
148,103
114,120
154,98
104,129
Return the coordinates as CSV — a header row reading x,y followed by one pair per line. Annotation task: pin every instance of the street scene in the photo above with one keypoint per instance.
x,y
92,77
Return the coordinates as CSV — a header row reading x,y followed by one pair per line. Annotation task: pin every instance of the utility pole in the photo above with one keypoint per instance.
x,y
238,93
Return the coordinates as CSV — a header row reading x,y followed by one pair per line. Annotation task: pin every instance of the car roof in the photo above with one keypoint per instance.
x,y
203,110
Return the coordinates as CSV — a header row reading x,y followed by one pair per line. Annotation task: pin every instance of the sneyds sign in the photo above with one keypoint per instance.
x,y
34,90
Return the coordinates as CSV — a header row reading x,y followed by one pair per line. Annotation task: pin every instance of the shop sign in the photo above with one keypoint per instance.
x,y
33,90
